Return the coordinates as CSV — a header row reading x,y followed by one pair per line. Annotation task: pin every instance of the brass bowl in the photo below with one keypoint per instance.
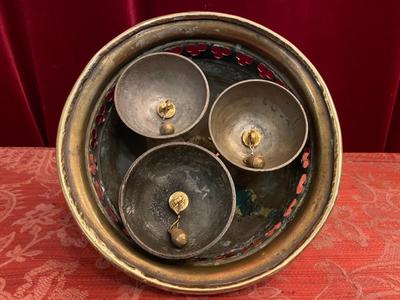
x,y
162,171
158,77
263,198
94,150
267,108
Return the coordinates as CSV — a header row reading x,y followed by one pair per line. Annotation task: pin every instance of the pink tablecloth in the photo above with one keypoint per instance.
x,y
44,256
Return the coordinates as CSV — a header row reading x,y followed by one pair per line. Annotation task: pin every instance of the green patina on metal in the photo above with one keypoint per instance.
x,y
246,203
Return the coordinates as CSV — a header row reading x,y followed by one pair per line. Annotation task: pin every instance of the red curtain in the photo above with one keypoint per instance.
x,y
355,45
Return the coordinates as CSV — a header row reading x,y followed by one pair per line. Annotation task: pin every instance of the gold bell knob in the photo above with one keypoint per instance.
x,y
166,109
255,161
167,128
178,237
251,138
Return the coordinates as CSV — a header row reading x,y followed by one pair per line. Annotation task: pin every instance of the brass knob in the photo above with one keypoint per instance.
x,y
251,138
166,109
178,202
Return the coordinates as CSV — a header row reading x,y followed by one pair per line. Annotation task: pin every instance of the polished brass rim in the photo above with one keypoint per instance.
x,y
80,196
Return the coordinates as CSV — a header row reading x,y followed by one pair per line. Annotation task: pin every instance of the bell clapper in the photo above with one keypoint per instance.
x,y
251,139
167,128
255,161
178,202
178,237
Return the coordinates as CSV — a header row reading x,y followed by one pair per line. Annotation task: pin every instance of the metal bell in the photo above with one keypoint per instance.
x,y
177,200
158,87
258,125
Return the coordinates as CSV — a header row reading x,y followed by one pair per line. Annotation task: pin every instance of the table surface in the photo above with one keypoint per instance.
x,y
44,256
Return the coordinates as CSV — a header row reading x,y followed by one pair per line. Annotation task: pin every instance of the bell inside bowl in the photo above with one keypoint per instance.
x,y
258,125
162,95
162,172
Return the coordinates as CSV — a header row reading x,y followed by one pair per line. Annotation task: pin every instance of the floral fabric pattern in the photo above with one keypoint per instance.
x,y
43,254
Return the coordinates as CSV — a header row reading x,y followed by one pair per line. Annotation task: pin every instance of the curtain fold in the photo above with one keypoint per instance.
x,y
392,143
355,45
20,122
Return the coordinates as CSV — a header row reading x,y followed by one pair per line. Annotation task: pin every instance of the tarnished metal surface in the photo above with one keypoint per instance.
x,y
266,107
259,207
156,78
159,173
261,201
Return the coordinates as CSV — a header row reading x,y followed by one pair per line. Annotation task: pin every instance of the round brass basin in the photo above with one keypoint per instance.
x,y
88,150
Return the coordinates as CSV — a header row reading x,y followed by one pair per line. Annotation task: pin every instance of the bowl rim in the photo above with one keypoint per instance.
x,y
179,57
72,161
217,237
266,82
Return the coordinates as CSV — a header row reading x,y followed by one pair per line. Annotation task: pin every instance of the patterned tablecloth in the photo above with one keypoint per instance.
x,y
44,256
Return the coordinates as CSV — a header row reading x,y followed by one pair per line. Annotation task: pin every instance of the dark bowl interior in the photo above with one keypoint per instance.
x,y
157,174
263,105
156,77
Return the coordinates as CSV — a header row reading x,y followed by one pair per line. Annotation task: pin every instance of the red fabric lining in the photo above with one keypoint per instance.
x,y
354,45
